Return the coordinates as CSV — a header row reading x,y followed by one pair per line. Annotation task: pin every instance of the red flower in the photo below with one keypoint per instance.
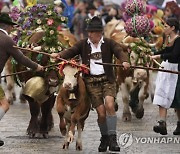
x,y
50,22
83,68
59,28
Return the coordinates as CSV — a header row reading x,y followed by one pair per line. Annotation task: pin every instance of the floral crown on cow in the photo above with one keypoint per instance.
x,y
81,67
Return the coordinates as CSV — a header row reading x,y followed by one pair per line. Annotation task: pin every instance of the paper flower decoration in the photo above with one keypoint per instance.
x,y
135,7
138,26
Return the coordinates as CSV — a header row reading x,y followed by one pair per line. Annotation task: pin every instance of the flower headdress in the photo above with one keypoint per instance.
x,y
44,17
81,67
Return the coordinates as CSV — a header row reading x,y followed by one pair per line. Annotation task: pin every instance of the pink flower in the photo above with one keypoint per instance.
x,y
59,28
50,22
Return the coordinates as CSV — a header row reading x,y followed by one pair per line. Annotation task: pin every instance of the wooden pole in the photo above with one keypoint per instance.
x,y
139,67
44,53
20,72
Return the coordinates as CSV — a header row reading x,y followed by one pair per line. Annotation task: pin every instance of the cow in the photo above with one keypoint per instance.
x,y
41,96
65,37
134,84
38,89
72,105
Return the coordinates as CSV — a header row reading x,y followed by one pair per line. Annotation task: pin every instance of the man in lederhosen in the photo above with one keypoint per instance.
x,y
100,82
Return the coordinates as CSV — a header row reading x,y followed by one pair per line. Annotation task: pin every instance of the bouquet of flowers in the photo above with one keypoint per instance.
x,y
40,17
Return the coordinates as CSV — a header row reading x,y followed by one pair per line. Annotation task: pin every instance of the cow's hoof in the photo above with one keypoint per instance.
x,y
45,135
32,130
11,101
126,117
139,113
78,145
32,135
70,137
66,145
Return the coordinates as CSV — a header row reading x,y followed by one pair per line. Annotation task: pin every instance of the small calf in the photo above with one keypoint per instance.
x,y
72,105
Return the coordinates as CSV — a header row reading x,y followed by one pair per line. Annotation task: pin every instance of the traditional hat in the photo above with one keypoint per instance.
x,y
95,24
4,18
91,7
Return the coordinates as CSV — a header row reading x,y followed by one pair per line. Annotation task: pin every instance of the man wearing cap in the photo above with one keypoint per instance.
x,y
100,82
7,50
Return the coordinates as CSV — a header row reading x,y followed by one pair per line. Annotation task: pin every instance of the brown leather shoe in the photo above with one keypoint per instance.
x,y
177,130
161,128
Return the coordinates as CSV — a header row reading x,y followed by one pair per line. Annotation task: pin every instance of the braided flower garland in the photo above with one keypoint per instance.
x,y
73,63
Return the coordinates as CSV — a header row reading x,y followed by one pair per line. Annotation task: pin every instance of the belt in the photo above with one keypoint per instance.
x,y
95,78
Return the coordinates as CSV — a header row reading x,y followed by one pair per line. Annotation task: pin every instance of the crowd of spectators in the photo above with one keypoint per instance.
x,y
79,11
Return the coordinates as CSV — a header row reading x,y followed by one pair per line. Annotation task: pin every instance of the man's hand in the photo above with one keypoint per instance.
x,y
40,68
126,65
55,56
155,57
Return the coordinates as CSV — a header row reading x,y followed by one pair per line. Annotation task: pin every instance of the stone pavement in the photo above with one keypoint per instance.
x,y
135,137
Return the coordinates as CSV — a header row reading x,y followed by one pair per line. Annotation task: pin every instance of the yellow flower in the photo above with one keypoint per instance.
x,y
52,49
59,48
51,32
66,38
49,12
46,48
39,21
52,60
63,18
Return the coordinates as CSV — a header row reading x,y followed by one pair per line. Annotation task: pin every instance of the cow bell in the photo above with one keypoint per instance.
x,y
36,88
72,96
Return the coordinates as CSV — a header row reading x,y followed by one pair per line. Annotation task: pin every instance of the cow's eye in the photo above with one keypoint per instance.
x,y
76,75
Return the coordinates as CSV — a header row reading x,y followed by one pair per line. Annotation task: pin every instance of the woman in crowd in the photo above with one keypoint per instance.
x,y
167,84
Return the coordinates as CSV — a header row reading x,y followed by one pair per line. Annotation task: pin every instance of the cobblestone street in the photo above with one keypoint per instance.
x,y
135,140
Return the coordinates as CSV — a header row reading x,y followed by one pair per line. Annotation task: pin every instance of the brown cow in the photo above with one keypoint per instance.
x,y
65,37
72,105
134,84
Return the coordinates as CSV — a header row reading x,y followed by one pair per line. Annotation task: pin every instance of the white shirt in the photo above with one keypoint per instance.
x,y
96,69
